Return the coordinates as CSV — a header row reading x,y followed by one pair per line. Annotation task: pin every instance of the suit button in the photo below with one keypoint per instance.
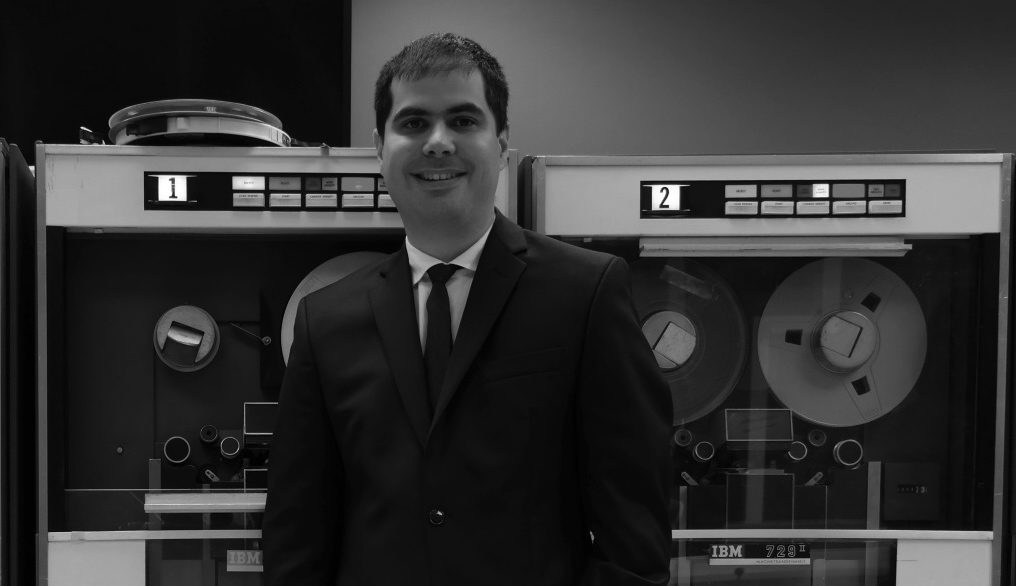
x,y
436,517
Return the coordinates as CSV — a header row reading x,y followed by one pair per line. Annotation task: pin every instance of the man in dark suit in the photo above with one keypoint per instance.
x,y
504,425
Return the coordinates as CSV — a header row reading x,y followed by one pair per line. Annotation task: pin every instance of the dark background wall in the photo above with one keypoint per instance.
x,y
723,76
70,64
587,76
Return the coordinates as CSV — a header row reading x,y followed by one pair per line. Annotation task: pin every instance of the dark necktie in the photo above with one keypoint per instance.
x,y
439,330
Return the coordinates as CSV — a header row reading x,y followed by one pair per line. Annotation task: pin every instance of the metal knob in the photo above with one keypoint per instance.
x,y
703,452
848,452
176,450
229,447
682,437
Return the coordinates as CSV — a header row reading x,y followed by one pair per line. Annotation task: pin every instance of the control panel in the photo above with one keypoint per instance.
x,y
232,189
740,196
363,192
746,199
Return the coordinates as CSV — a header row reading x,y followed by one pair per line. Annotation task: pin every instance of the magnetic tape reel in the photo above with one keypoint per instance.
x,y
696,328
190,121
842,341
326,273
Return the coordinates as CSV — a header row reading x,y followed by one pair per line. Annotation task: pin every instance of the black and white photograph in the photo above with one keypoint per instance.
x,y
517,293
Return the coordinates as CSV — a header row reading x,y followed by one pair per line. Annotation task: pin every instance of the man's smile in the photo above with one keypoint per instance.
x,y
438,175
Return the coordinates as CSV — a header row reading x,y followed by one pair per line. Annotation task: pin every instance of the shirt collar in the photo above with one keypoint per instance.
x,y
420,261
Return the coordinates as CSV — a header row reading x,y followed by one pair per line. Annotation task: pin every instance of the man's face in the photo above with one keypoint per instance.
x,y
441,155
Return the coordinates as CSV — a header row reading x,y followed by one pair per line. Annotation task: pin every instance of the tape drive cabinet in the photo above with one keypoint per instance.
x,y
168,282
834,332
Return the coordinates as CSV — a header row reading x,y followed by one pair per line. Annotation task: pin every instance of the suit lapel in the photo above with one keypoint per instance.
x,y
496,274
391,301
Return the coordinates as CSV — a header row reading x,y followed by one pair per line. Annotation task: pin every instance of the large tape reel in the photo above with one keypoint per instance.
x,y
696,328
842,341
190,121
325,274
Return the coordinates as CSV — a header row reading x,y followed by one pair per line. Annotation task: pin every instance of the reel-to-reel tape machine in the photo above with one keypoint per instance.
x,y
828,326
169,278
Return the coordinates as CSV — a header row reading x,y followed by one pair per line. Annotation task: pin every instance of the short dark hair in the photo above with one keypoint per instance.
x,y
442,53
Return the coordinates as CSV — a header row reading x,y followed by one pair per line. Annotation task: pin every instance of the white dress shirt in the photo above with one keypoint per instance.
x,y
458,285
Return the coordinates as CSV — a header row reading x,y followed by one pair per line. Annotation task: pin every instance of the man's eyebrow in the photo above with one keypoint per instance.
x,y
464,108
467,108
409,112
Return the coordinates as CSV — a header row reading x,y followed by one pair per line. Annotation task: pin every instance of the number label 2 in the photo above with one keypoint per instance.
x,y
666,197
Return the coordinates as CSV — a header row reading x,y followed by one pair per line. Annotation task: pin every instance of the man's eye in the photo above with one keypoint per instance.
x,y
464,122
413,124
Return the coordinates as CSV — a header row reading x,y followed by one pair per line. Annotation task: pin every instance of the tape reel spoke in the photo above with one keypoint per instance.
x,y
863,389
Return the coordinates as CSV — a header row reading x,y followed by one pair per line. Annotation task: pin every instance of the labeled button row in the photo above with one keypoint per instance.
x,y
813,190
814,208
314,201
350,183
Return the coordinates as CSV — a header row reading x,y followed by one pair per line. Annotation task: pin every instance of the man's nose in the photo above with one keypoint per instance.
x,y
439,141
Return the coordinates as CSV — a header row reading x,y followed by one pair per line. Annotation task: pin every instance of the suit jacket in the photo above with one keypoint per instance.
x,y
546,461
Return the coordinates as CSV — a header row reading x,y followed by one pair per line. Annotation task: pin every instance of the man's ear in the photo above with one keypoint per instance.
x,y
502,140
379,144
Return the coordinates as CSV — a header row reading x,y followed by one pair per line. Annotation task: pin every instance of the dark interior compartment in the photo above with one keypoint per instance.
x,y
926,464
114,403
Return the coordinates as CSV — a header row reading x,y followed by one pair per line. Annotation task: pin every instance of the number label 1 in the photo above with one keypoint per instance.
x,y
172,187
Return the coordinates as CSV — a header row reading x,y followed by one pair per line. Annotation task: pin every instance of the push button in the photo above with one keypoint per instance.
x,y
777,190
357,184
848,190
777,208
284,200
322,200
284,183
813,191
248,182
248,200
436,516
357,200
813,208
888,206
845,208
741,208
736,191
